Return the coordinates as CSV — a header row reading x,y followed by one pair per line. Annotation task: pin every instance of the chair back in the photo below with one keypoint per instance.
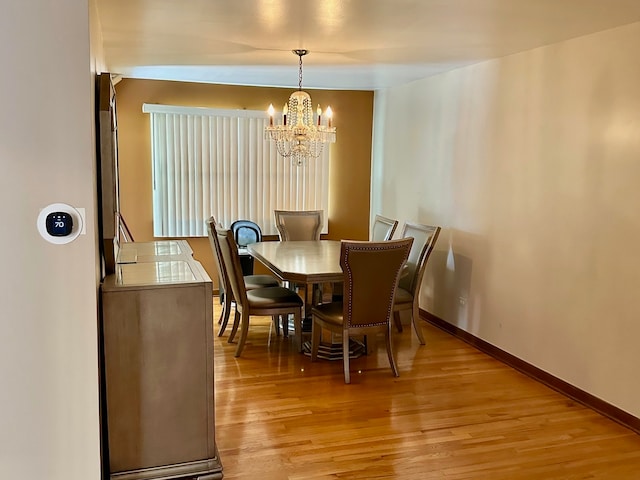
x,y
371,274
246,232
231,261
424,239
383,229
215,248
299,224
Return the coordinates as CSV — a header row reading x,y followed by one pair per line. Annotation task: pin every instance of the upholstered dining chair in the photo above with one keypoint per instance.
x,y
251,281
298,224
273,301
407,293
371,274
383,229
246,232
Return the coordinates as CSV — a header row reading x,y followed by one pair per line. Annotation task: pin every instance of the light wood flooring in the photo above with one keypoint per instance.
x,y
454,413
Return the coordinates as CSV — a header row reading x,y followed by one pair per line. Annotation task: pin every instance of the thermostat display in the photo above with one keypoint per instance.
x,y
59,224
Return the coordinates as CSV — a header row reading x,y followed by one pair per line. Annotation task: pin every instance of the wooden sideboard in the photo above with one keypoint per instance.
x,y
157,332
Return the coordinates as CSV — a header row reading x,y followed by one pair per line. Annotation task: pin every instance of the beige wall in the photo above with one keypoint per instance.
x,y
531,163
48,293
350,156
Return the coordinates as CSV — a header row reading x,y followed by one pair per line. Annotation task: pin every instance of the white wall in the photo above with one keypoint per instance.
x,y
48,362
532,164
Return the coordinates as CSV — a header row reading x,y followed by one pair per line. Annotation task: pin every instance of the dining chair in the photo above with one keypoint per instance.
x,y
371,274
298,224
276,302
251,282
246,232
407,293
383,229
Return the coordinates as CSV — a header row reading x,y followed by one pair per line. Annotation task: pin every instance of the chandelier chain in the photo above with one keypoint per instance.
x,y
300,74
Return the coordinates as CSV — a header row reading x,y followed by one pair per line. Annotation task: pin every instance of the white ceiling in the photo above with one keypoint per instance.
x,y
353,44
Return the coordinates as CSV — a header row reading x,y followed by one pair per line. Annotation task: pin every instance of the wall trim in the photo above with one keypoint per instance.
x,y
611,411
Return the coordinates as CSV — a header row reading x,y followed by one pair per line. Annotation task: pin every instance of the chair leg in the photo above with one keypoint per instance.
x,y
234,328
392,362
284,319
370,344
244,329
276,323
396,320
316,330
415,316
345,356
224,317
297,325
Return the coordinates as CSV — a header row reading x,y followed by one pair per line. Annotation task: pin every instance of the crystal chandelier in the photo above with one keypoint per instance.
x,y
301,135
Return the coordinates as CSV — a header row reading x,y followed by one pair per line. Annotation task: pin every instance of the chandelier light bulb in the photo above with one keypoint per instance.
x,y
271,112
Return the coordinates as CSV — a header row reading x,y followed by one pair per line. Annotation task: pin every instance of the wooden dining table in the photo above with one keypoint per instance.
x,y
308,262
313,264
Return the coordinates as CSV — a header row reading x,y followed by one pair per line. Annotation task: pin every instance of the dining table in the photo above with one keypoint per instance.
x,y
315,264
308,262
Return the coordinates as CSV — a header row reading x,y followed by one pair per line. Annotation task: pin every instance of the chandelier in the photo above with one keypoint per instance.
x,y
301,135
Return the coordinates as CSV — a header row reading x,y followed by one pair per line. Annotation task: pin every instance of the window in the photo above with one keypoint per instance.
x,y
217,162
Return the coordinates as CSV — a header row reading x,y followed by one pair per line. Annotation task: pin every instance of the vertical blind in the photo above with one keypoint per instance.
x,y
217,162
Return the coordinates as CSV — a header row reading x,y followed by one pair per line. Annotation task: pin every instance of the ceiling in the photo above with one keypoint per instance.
x,y
353,44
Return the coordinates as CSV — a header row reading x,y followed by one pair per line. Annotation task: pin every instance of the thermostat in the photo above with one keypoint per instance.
x,y
60,223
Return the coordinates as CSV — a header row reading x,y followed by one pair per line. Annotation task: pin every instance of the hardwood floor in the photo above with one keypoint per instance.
x,y
454,413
